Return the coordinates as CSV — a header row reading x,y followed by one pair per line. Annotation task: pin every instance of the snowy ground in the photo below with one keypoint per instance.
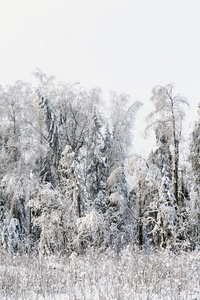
x,y
132,275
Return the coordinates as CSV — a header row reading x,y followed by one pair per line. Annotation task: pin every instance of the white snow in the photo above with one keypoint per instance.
x,y
98,276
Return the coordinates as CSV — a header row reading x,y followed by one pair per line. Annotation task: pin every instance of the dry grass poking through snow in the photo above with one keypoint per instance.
x,y
131,275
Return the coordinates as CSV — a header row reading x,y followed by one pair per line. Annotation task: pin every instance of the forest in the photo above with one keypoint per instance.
x,y
70,181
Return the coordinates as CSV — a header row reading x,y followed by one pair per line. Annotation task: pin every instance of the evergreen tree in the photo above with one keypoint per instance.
x,y
167,120
72,186
117,210
96,167
140,192
195,193
65,174
52,158
165,229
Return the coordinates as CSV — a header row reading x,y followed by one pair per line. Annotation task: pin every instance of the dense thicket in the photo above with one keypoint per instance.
x,y
69,181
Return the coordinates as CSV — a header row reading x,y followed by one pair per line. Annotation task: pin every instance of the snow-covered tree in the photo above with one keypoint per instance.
x,y
117,146
154,203
117,209
138,168
167,120
96,167
70,104
66,170
122,118
195,188
72,181
15,148
73,189
52,157
49,203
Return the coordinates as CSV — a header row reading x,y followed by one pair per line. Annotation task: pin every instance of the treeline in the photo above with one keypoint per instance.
x,y
68,181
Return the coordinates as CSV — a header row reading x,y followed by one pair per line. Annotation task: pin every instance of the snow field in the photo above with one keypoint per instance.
x,y
101,276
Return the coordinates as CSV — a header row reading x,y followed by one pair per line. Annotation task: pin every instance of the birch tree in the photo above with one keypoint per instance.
x,y
15,148
122,121
167,120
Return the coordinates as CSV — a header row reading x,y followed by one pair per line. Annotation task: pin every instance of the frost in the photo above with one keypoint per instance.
x,y
131,274
68,181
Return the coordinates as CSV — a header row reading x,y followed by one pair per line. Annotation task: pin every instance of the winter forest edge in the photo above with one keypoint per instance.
x,y
69,182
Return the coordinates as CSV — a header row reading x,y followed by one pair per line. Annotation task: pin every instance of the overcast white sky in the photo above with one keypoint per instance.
x,y
124,45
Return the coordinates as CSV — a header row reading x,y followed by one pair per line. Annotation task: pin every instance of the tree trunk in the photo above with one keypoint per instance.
x,y
176,151
140,233
176,166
